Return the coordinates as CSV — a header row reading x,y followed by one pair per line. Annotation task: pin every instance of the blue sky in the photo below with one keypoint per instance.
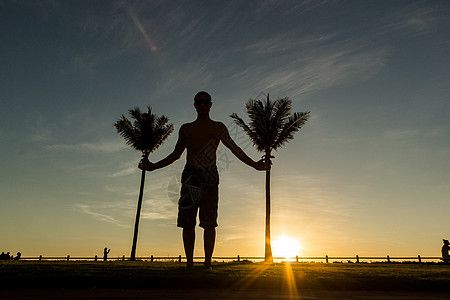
x,y
368,174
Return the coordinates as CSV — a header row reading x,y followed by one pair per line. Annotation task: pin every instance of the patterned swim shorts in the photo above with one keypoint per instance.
x,y
199,191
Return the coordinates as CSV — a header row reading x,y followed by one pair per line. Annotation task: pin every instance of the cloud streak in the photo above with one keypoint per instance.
x,y
307,70
107,146
102,217
129,169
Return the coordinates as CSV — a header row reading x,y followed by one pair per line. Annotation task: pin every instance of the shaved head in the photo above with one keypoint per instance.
x,y
202,95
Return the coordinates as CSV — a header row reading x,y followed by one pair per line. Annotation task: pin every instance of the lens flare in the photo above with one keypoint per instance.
x,y
286,247
151,45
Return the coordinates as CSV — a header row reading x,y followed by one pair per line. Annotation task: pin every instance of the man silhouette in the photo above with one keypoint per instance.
x,y
105,254
200,178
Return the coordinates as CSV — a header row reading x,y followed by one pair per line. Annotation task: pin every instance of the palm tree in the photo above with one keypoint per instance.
x,y
271,126
145,134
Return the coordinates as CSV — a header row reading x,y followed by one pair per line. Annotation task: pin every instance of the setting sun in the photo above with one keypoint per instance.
x,y
286,247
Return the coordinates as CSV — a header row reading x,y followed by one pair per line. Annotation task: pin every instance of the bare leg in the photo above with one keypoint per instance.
x,y
189,241
209,239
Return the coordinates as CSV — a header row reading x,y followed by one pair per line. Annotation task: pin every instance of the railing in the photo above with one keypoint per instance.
x,y
238,258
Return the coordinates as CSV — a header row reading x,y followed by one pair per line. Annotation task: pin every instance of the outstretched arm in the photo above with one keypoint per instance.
x,y
239,153
146,165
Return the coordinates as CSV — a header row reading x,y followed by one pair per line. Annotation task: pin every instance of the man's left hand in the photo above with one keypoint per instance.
x,y
261,165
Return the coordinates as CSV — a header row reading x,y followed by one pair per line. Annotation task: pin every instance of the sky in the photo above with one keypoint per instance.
x,y
368,174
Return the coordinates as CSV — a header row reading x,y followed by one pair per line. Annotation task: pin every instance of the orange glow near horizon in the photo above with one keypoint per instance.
x,y
286,247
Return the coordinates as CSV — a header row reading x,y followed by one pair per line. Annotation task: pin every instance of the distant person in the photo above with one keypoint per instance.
x,y
445,249
18,256
200,178
105,254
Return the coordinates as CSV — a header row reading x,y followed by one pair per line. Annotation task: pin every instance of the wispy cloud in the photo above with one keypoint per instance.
x,y
286,42
125,169
100,216
288,8
397,134
41,134
309,71
416,18
102,146
122,34
300,204
236,234
420,19
190,72
155,212
160,197
41,131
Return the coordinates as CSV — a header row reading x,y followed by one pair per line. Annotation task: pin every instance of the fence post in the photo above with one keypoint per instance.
x,y
357,258
239,258
420,259
326,258
388,259
296,258
179,258
68,257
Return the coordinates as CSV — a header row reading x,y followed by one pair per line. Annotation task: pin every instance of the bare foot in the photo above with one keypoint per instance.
x,y
207,265
189,266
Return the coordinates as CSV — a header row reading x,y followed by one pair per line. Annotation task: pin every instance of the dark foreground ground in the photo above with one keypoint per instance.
x,y
145,280
216,294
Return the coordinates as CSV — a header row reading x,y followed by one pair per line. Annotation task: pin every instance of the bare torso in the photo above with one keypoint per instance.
x,y
201,139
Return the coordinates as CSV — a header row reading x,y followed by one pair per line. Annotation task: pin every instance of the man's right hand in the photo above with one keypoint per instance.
x,y
146,165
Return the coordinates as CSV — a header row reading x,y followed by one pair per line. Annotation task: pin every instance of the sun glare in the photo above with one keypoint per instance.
x,y
286,247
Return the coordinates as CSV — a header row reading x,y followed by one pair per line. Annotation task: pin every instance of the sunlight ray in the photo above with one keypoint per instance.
x,y
257,271
290,281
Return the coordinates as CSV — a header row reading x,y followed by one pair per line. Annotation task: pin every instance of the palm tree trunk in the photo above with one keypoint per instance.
x,y
138,216
268,246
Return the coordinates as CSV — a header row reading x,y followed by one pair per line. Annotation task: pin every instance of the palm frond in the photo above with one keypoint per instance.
x,y
126,130
147,132
249,131
271,122
259,115
281,111
162,130
291,126
135,113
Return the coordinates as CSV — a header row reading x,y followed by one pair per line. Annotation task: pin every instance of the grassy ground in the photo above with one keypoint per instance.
x,y
306,276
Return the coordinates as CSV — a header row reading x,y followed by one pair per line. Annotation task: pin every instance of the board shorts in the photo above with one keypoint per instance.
x,y
199,193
